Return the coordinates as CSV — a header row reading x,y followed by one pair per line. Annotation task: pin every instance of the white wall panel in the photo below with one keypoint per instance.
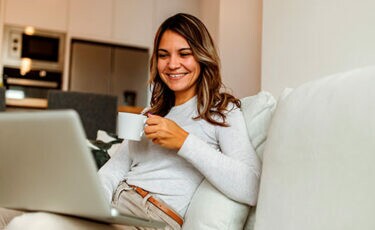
x,y
304,40
240,24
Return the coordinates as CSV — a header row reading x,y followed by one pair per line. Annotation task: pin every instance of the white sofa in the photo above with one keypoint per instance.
x,y
318,165
318,162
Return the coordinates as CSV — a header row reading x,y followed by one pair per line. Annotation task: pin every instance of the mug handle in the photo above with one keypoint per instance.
x,y
144,124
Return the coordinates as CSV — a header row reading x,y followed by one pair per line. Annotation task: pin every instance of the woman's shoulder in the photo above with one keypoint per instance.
x,y
231,108
232,111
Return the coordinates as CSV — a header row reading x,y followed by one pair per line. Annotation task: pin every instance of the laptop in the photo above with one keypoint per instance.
x,y
46,165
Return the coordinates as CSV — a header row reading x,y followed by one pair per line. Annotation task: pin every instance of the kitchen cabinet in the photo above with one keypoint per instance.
x,y
90,19
132,22
90,68
130,73
109,69
42,14
118,21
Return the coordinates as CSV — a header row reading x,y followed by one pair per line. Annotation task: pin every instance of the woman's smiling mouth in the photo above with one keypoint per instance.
x,y
176,75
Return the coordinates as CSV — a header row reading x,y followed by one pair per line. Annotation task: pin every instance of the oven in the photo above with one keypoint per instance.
x,y
32,62
29,48
32,85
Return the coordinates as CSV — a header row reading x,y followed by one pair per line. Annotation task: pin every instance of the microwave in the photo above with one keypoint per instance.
x,y
39,49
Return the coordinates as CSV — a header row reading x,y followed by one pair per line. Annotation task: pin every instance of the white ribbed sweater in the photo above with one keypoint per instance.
x,y
223,155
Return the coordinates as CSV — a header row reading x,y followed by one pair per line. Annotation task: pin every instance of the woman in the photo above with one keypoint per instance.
x,y
194,131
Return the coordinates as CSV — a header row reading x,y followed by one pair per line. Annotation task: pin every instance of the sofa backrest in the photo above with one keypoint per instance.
x,y
97,111
318,163
2,99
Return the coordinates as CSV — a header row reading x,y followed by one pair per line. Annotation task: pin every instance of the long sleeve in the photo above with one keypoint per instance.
x,y
234,169
115,170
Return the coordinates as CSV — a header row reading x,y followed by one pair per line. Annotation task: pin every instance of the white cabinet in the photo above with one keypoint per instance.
x,y
91,18
120,21
43,14
132,22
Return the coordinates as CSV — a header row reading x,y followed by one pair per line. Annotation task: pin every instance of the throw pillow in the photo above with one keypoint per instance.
x,y
209,208
257,111
103,147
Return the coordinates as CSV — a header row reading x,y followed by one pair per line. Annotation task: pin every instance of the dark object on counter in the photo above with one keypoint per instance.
x,y
2,99
97,111
129,98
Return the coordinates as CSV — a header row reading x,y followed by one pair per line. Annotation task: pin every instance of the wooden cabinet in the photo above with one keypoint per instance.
x,y
90,19
130,73
90,68
43,14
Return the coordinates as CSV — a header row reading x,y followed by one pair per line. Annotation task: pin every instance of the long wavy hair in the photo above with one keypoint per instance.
x,y
212,100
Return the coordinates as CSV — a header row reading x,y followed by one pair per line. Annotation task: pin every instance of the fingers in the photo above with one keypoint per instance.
x,y
153,119
153,135
164,132
149,129
153,124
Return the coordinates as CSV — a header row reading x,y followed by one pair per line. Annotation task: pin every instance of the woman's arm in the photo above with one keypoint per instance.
x,y
235,170
115,170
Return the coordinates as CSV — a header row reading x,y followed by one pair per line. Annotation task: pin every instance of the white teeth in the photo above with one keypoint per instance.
x,y
176,75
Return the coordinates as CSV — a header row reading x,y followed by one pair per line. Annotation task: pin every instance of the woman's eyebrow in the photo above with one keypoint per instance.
x,y
182,49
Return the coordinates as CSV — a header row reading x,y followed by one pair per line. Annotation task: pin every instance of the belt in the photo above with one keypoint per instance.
x,y
159,205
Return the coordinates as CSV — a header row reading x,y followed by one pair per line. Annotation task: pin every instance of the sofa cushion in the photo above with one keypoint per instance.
x,y
318,166
209,208
257,111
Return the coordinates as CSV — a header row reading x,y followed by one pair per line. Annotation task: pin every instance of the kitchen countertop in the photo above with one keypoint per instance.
x,y
33,103
39,103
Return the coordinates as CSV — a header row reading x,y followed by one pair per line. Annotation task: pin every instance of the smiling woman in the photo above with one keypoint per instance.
x,y
194,131
177,66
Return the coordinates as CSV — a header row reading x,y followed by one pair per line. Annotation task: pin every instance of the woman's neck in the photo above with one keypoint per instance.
x,y
181,99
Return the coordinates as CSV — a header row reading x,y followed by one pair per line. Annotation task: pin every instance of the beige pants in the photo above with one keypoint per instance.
x,y
125,199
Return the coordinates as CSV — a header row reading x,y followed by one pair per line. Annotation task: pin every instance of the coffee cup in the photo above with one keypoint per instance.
x,y
130,126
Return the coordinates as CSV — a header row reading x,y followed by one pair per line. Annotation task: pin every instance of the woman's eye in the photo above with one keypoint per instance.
x,y
160,55
185,54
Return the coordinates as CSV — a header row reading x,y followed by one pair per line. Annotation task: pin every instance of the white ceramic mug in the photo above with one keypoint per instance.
x,y
130,126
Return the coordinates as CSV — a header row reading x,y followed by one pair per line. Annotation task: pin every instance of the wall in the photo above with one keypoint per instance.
x,y
305,40
1,39
166,8
240,24
210,17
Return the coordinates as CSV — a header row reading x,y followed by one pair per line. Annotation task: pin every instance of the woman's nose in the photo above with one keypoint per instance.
x,y
174,62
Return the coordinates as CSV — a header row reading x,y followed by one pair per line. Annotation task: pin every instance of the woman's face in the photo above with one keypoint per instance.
x,y
177,66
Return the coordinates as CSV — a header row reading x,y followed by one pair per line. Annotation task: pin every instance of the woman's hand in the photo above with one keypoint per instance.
x,y
165,132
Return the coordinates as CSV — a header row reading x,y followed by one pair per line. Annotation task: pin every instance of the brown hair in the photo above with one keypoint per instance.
x,y
211,102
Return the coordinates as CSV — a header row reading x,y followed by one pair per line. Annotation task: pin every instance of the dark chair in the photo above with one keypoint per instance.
x,y
2,99
97,111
